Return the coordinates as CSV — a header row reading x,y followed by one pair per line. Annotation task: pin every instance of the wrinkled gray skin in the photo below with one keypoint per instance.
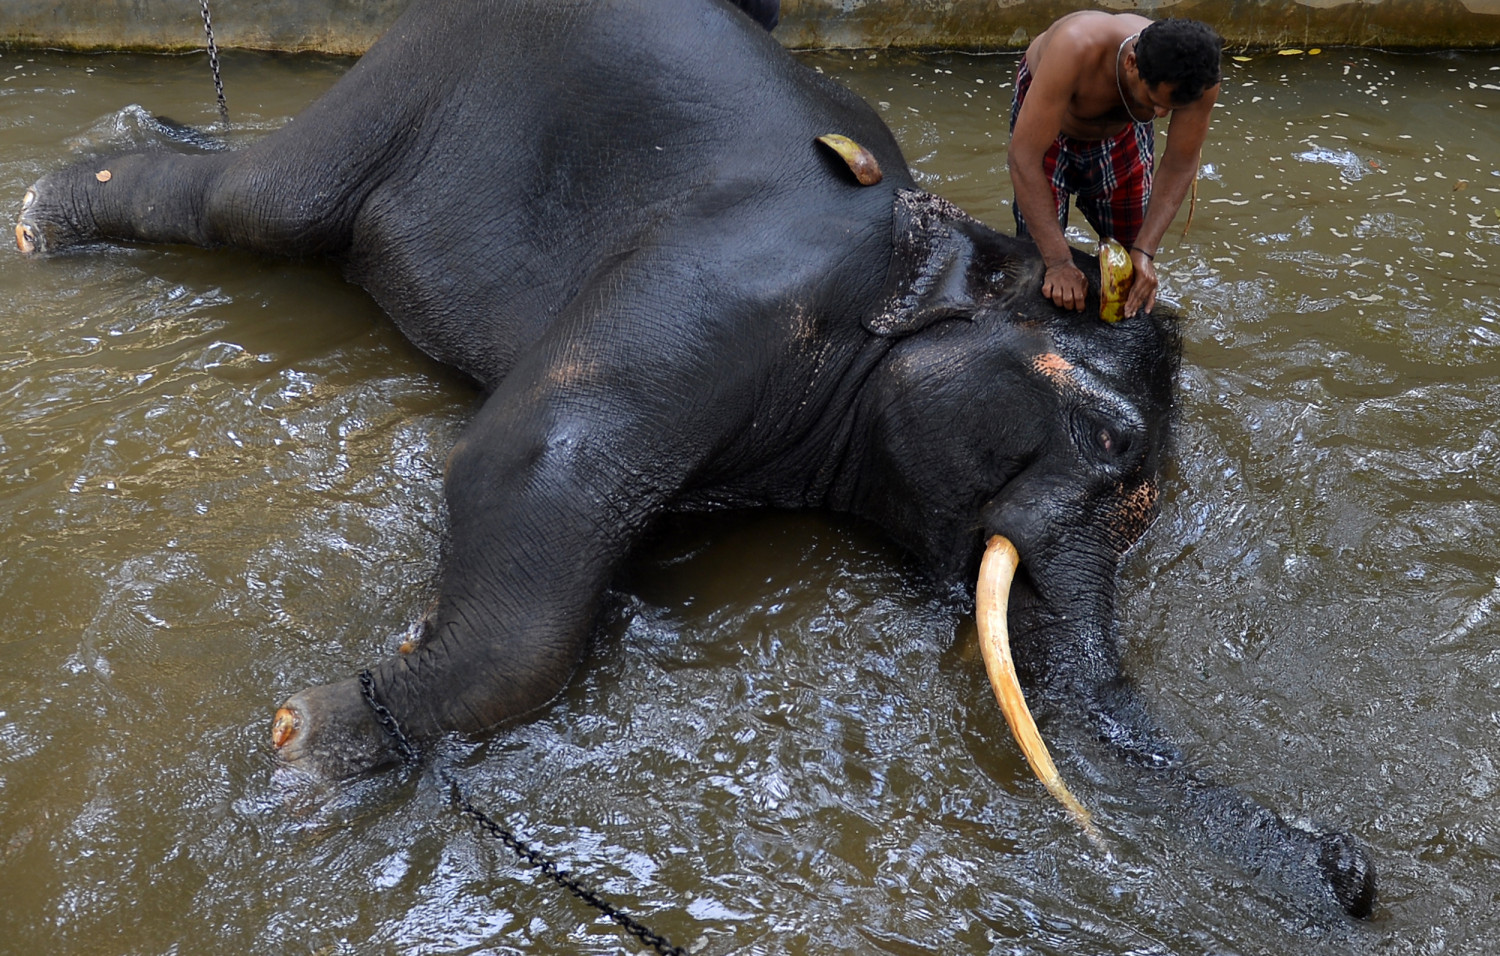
x,y
614,216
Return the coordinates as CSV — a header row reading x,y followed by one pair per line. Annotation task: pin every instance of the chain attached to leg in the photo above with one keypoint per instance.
x,y
213,61
526,853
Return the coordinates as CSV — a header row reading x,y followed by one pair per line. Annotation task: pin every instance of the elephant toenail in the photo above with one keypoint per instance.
x,y
285,727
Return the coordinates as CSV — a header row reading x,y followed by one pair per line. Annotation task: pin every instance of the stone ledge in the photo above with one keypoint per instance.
x,y
350,26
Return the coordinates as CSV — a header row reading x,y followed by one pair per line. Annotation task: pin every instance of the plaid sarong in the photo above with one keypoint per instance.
x,y
1110,177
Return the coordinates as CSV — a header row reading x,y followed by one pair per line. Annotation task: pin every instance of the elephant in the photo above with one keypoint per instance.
x,y
691,273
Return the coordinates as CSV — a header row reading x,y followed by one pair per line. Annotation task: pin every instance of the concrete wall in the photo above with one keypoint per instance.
x,y
350,26
330,26
1009,24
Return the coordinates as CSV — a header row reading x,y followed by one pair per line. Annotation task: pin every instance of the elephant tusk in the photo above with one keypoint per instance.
x,y
992,595
861,161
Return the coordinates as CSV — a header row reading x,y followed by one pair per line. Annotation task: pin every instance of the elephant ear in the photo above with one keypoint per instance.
x,y
944,265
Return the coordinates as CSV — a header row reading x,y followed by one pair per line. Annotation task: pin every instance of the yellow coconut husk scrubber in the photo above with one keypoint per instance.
x,y
1115,275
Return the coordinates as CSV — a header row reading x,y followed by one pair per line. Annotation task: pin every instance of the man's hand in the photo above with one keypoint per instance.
x,y
1142,285
1065,285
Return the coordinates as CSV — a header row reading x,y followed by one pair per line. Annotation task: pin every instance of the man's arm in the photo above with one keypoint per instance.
x,y
1037,126
1174,178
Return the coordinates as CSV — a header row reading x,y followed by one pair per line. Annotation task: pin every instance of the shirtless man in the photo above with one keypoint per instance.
x,y
1087,91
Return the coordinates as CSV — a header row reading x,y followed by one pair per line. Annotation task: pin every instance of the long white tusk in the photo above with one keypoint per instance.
x,y
992,595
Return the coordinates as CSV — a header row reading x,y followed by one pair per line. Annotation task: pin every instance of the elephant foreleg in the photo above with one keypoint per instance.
x,y
546,494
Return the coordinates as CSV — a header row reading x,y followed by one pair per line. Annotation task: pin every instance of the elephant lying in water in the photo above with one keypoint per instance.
x,y
620,219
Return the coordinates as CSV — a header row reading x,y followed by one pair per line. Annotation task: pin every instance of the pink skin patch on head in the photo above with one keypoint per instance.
x,y
1054,367
1133,514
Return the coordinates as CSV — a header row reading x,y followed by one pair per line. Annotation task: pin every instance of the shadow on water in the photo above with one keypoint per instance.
x,y
220,482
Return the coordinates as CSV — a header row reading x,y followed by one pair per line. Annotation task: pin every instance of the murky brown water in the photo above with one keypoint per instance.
x,y
219,481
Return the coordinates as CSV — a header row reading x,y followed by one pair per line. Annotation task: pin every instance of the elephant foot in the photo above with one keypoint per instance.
x,y
330,733
45,224
28,237
1350,873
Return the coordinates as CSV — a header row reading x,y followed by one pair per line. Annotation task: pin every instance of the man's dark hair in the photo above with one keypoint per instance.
x,y
1182,52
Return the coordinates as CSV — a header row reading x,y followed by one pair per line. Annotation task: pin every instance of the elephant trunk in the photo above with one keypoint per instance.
x,y
991,601
1310,863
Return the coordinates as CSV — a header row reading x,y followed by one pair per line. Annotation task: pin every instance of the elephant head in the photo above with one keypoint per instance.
x,y
1063,461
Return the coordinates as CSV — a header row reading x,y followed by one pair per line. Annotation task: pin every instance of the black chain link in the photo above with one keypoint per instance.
x,y
530,855
213,61
386,719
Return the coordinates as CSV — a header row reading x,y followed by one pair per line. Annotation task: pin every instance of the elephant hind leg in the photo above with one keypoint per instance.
x,y
202,199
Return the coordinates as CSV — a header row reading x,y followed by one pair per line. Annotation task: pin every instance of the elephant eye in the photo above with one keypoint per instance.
x,y
1110,444
1103,437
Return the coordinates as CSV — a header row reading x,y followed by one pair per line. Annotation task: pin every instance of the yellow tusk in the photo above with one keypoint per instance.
x,y
992,596
861,161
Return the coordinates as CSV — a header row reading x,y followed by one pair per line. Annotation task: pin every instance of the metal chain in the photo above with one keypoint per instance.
x,y
213,61
386,719
530,855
